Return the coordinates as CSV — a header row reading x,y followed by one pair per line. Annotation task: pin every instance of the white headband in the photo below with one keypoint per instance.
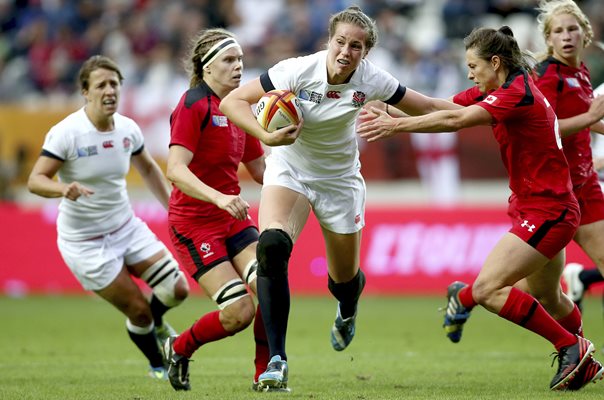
x,y
217,50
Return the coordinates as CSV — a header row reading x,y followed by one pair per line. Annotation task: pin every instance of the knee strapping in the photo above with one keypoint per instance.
x,y
229,293
273,252
139,330
162,277
250,271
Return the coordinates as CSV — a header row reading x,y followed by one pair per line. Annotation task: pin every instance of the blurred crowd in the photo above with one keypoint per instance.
x,y
44,42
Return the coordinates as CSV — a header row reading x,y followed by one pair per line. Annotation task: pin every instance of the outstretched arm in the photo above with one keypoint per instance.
x,y
385,126
415,103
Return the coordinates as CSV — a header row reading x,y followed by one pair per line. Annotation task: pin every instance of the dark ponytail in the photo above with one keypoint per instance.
x,y
489,42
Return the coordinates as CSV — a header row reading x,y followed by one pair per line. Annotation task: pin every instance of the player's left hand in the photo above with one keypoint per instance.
x,y
382,126
234,205
366,114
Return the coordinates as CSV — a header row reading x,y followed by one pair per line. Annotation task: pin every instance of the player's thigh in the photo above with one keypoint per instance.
x,y
591,239
212,280
241,263
343,254
143,247
125,295
339,204
511,260
283,208
95,263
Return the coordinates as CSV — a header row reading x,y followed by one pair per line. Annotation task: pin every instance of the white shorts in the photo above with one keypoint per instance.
x,y
97,262
338,203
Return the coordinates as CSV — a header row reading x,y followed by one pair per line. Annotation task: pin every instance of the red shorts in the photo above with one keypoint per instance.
x,y
201,244
546,226
591,200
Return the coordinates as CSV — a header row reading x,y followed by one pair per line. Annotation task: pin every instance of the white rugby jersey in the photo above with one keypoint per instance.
x,y
327,145
99,161
597,140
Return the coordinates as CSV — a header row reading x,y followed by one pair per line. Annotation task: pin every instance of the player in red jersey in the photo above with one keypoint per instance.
x,y
565,81
214,237
546,211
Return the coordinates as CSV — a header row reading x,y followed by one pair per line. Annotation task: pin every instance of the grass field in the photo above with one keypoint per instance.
x,y
77,348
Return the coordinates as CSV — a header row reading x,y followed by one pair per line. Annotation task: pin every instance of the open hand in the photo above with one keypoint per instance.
x,y
381,126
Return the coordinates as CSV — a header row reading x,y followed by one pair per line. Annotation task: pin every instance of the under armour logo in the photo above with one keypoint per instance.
x,y
525,224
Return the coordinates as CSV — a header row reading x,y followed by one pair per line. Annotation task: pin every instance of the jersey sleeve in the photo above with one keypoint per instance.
x,y
387,87
468,97
138,140
253,149
282,74
185,123
57,144
501,104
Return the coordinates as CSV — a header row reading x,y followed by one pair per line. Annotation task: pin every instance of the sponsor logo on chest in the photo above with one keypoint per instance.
x,y
220,120
87,151
573,82
309,95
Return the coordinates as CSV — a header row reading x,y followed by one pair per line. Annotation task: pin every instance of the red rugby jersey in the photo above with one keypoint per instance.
x,y
570,93
525,126
217,145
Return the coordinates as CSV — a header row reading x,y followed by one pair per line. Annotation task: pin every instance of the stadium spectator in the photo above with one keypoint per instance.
x,y
545,213
564,79
315,165
99,237
214,237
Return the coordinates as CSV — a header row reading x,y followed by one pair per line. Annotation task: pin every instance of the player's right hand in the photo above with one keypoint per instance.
x,y
596,107
74,190
284,136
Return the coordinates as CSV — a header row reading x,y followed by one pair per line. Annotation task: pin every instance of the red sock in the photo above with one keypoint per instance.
x,y
262,352
572,322
207,329
465,297
524,310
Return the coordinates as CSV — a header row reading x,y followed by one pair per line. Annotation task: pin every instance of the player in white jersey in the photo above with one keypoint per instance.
x,y
101,240
315,165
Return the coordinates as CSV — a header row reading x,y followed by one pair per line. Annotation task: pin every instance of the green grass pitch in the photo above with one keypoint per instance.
x,y
76,347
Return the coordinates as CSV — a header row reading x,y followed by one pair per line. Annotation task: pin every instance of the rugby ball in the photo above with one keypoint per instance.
x,y
277,109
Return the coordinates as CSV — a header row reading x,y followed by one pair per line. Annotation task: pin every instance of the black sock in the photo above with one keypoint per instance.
x,y
158,309
147,343
274,299
589,276
347,293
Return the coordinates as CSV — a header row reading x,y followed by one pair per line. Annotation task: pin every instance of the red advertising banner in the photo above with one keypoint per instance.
x,y
405,250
